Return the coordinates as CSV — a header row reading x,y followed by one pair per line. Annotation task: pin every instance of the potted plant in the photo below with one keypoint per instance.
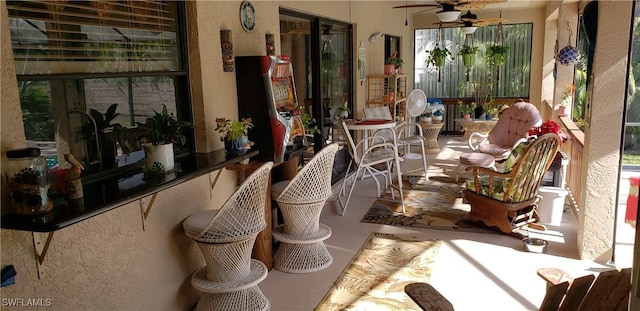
x,y
162,130
393,63
98,132
497,54
234,135
466,109
567,97
468,54
438,56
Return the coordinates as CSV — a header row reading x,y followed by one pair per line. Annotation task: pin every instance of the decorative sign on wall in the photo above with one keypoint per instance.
x,y
247,16
227,51
362,54
271,44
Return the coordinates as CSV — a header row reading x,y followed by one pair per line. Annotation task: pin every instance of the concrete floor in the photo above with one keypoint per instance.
x,y
475,271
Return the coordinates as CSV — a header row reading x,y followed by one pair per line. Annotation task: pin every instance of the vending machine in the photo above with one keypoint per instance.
x,y
267,95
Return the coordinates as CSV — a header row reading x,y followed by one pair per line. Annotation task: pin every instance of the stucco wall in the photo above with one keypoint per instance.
x,y
602,135
109,262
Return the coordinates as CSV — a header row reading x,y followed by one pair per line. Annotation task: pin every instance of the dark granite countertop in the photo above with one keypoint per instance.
x,y
103,194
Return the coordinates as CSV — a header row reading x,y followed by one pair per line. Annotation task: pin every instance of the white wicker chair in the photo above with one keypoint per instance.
x,y
377,153
226,237
301,200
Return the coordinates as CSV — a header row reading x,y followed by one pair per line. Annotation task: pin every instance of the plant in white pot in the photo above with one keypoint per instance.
x,y
162,130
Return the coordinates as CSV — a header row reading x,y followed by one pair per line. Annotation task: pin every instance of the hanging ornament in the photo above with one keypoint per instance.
x,y
569,54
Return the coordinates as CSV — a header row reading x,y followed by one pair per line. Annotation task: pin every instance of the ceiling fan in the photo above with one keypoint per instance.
x,y
470,22
451,8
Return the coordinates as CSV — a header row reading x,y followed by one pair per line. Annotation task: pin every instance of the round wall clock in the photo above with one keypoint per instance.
x,y
247,16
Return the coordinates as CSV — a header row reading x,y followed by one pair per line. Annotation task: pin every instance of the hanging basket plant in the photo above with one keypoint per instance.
x,y
468,54
438,57
497,54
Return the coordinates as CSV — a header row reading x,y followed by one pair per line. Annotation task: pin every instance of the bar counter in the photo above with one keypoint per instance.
x,y
106,193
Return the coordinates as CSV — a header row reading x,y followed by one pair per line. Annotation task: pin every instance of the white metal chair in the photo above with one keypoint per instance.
x,y
378,152
226,237
301,200
407,133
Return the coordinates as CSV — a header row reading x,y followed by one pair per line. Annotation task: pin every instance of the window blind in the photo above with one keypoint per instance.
x,y
62,36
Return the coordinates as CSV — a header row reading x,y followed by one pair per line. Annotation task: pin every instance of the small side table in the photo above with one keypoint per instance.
x,y
430,130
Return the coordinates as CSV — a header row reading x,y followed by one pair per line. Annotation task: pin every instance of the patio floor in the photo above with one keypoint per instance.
x,y
475,271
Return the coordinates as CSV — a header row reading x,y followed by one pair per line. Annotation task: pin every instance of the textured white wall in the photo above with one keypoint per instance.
x,y
602,135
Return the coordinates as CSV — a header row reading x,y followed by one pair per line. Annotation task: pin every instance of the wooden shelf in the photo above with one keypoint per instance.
x,y
390,91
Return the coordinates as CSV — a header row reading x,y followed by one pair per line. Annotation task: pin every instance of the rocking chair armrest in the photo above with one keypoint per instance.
x,y
472,137
554,276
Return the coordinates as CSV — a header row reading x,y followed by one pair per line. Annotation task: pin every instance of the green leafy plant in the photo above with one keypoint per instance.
x,y
497,54
163,128
438,56
466,108
233,129
395,60
103,121
309,123
468,49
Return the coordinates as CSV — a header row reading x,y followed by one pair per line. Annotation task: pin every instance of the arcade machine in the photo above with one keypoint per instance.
x,y
266,94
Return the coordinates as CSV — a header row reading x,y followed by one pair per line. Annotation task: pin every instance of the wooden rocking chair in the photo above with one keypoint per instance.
x,y
508,200
610,291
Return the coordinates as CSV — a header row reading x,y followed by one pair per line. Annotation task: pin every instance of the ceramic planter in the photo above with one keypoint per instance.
x,y
236,147
562,111
466,116
498,59
389,69
159,159
440,61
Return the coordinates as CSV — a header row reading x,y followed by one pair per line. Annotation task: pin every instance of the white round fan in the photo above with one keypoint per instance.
x,y
416,105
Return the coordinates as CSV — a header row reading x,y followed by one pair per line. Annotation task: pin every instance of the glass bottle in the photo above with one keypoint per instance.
x,y
26,176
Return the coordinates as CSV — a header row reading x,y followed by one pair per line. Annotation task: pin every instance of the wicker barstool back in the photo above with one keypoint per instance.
x,y
243,213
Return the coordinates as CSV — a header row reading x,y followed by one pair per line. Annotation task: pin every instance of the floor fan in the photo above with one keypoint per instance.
x,y
416,105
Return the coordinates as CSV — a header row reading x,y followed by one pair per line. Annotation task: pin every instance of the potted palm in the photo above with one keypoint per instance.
x,y
162,130
234,135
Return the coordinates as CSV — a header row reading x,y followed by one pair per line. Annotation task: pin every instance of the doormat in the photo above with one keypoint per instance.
x,y
375,278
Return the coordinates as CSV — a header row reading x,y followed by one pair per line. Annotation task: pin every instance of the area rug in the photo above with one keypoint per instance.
x,y
428,204
375,278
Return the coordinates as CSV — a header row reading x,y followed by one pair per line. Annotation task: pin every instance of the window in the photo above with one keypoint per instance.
x,y
513,78
89,70
586,43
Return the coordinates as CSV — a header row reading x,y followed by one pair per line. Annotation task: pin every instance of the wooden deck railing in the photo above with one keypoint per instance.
x,y
573,147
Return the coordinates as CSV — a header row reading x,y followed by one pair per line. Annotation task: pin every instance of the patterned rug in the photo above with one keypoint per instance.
x,y
375,278
428,204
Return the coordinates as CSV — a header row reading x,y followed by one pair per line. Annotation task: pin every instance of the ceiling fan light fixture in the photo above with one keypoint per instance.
x,y
467,30
448,16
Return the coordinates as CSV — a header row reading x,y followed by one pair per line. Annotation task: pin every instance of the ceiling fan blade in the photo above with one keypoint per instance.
x,y
416,6
492,20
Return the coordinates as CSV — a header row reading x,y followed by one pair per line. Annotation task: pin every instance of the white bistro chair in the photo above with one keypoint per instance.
x,y
378,152
226,237
407,133
301,200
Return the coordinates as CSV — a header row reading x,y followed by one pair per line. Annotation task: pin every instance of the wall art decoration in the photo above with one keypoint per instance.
x,y
226,41
271,44
247,16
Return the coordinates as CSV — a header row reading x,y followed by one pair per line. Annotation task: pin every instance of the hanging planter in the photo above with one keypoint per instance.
x,y
438,58
569,54
468,53
498,54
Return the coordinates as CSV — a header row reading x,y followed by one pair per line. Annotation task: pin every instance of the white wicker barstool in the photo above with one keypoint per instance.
x,y
226,237
301,200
